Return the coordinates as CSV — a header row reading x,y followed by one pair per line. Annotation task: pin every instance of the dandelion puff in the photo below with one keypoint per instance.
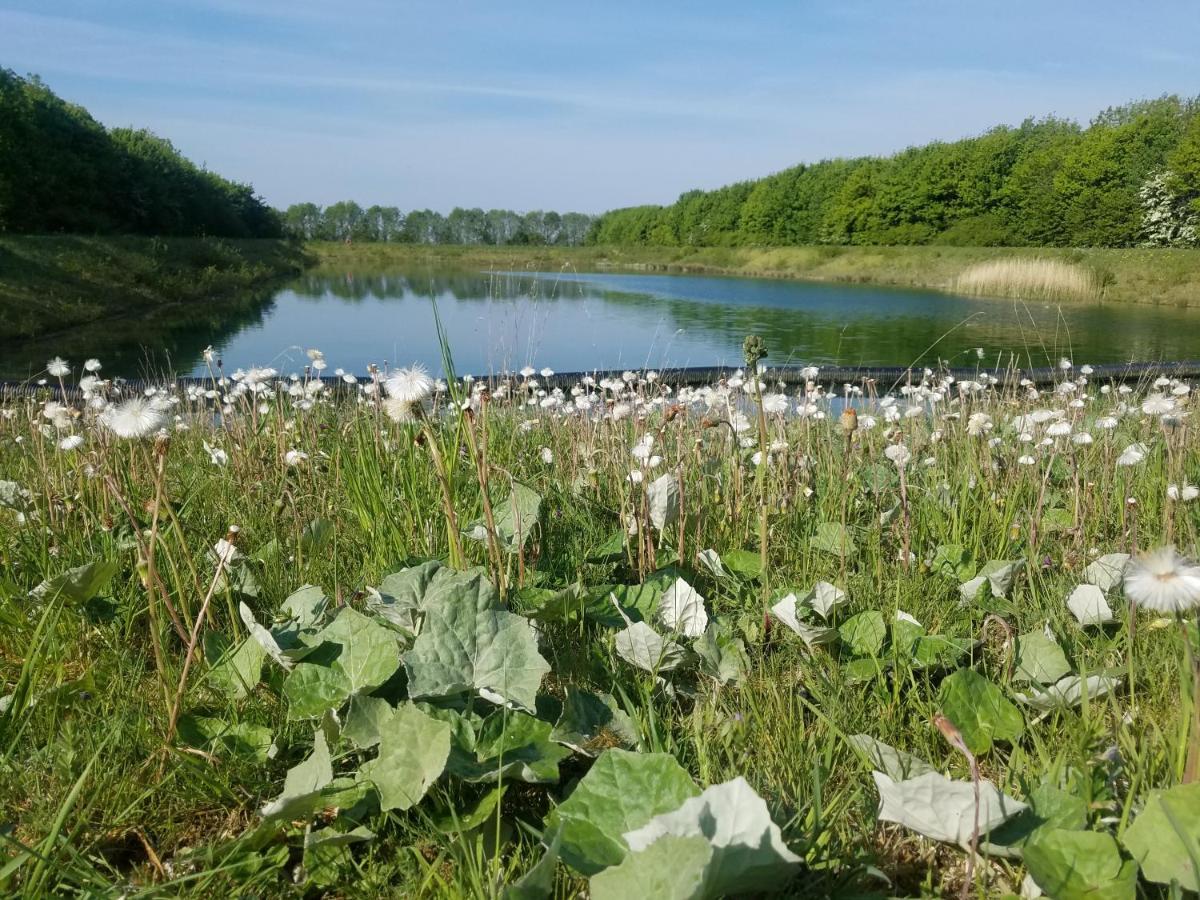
x,y
1132,455
1163,581
1157,405
135,418
897,453
547,456
402,412
294,458
1186,493
70,442
411,385
92,365
58,367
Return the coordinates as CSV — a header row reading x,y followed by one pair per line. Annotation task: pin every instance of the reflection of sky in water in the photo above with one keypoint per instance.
x,y
583,321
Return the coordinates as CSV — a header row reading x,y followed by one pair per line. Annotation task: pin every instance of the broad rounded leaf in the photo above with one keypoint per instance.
x,y
833,537
1165,837
1088,606
1039,658
303,783
467,644
622,791
864,633
80,584
748,849
413,749
682,609
672,868
1069,691
663,495
979,710
1079,865
1108,571
942,809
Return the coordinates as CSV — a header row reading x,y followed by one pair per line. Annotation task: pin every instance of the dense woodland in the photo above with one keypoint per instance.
x,y
348,221
62,171
1130,178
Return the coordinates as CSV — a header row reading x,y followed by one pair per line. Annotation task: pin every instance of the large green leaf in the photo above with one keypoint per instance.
x,y
225,738
1039,658
979,710
864,633
897,764
672,868
364,720
936,807
748,853
681,609
369,654
722,655
538,882
511,745
313,688
413,749
1165,837
833,537
515,517
80,584
1080,865
233,670
303,783
469,644
953,561
663,500
622,791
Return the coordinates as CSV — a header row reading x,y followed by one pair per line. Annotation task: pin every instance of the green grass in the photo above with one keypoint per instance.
x,y
53,283
99,794
1155,277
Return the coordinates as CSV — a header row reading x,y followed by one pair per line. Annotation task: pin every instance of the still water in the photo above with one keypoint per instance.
x,y
571,322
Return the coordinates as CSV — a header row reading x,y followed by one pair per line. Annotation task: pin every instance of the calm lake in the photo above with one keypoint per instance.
x,y
572,322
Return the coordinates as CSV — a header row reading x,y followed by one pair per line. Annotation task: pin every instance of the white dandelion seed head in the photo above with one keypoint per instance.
x,y
294,458
399,410
71,442
1163,581
411,385
137,417
1132,455
1157,405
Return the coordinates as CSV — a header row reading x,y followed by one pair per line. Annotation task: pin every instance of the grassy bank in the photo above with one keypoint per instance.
x,y
618,608
52,283
1159,277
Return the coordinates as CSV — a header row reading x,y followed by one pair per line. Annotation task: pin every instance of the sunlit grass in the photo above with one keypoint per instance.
x,y
98,793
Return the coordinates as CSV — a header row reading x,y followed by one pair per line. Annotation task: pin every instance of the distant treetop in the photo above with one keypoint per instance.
x,y
62,171
388,224
1130,178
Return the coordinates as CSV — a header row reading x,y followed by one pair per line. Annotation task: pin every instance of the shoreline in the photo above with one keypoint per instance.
x,y
56,284
1142,276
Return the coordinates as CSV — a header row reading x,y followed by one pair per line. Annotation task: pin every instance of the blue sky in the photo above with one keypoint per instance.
x,y
580,105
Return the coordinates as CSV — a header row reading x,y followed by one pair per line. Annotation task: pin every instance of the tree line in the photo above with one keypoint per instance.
x,y
347,221
1130,177
62,171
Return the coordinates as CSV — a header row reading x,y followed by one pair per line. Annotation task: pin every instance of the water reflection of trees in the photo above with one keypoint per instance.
x,y
849,325
822,323
170,339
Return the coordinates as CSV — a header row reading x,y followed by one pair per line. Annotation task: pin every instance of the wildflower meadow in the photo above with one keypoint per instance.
x,y
388,634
